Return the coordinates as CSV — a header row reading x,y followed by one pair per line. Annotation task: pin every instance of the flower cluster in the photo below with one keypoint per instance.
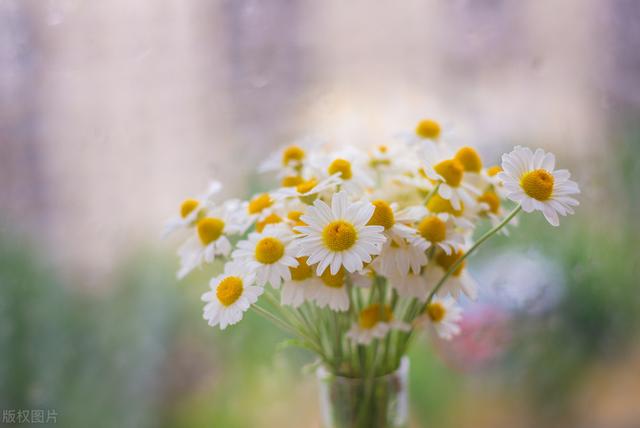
x,y
360,245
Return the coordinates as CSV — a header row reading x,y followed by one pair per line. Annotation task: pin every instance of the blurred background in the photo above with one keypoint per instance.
x,y
111,113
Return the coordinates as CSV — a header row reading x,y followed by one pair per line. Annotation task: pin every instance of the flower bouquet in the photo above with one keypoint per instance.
x,y
359,249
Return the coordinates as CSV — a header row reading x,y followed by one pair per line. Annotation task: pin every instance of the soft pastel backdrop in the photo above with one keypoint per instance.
x,y
112,112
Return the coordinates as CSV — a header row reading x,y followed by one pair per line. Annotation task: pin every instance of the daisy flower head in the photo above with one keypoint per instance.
x,y
301,286
338,235
231,294
443,315
308,190
269,254
531,181
191,209
211,238
331,291
290,159
347,165
258,207
449,172
374,322
459,282
437,230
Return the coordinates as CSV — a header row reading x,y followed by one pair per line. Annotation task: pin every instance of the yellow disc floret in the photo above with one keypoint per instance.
x,y
432,229
437,204
470,159
306,186
445,261
302,271
270,219
292,154
259,203
341,166
429,129
492,200
334,281
209,229
373,314
339,235
269,250
436,311
382,215
538,184
229,290
493,170
187,207
451,171
291,181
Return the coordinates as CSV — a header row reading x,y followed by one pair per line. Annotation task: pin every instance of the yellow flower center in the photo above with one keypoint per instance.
x,y
334,281
269,250
291,181
451,170
383,149
538,184
302,271
294,216
259,203
446,261
341,166
470,159
270,219
382,215
306,186
187,207
209,229
229,290
493,170
429,129
339,235
490,198
433,229
373,314
437,204
436,311
292,154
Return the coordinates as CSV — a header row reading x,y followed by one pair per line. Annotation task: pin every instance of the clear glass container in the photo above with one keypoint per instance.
x,y
379,402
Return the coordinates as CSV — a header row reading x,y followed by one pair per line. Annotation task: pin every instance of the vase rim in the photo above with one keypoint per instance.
x,y
323,373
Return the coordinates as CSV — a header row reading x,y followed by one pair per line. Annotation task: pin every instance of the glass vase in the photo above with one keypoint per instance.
x,y
378,402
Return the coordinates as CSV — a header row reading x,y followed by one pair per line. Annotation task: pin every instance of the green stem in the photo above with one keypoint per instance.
x,y
479,242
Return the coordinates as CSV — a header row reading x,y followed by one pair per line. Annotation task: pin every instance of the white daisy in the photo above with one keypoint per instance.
x,y
258,207
443,315
532,182
449,171
339,236
231,294
191,209
308,190
331,291
347,165
427,133
301,286
210,238
290,159
374,322
269,254
437,230
459,281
